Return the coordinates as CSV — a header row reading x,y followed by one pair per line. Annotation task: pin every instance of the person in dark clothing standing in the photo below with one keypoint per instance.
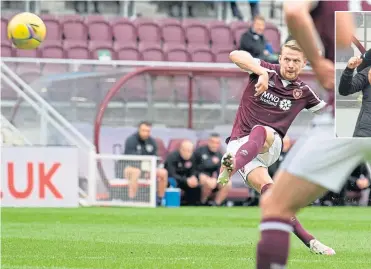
x,y
359,83
254,42
208,160
141,143
181,166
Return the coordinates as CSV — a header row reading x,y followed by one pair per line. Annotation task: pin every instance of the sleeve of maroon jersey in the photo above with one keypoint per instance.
x,y
266,65
314,103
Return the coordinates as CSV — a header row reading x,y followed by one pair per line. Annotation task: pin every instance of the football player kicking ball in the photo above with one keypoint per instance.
x,y
273,98
318,162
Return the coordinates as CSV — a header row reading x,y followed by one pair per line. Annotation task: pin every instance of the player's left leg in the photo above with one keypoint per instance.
x,y
162,182
259,141
276,225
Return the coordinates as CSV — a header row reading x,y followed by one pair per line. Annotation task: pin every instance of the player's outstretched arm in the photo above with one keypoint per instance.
x,y
301,27
344,29
246,62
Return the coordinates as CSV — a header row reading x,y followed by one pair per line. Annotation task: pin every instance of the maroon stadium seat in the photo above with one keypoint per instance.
x,y
209,90
99,28
236,86
176,53
124,30
273,35
53,26
74,27
172,31
54,68
161,149
97,45
6,49
201,53
196,32
148,30
222,53
127,51
174,144
163,89
201,143
220,33
151,52
27,67
238,28
181,86
134,90
4,29
52,49
76,49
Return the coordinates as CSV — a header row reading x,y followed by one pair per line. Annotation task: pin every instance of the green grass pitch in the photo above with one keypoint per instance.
x,y
199,238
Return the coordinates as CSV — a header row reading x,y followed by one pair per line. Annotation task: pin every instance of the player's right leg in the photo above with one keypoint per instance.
x,y
242,151
276,225
261,181
132,174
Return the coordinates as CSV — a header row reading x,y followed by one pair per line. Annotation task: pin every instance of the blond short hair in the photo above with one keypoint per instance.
x,y
292,44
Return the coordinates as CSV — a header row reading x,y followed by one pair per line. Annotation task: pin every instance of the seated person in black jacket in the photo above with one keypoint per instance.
x,y
254,42
359,180
208,160
141,143
181,166
359,83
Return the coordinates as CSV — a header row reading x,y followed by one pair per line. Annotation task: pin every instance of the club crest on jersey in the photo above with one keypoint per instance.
x,y
297,93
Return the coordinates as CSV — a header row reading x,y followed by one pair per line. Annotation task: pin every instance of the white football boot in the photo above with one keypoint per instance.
x,y
318,248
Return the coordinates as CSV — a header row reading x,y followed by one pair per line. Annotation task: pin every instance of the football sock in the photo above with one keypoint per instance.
x,y
273,247
299,230
248,151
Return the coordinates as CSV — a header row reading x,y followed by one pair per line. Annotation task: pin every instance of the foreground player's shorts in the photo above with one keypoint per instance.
x,y
321,158
262,160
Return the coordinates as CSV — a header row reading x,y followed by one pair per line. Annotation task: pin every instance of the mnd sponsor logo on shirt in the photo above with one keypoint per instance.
x,y
273,100
270,98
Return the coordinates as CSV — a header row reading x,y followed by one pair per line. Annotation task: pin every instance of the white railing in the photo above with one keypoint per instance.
x,y
78,62
104,181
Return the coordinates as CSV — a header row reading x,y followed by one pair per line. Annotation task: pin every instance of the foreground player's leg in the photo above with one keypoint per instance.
x,y
260,139
309,240
276,225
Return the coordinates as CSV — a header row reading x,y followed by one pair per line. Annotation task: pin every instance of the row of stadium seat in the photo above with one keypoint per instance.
x,y
191,31
74,49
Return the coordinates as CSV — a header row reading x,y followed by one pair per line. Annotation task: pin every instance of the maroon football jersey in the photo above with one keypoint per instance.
x,y
324,19
277,107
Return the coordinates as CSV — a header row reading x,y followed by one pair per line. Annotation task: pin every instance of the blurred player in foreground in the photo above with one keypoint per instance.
x,y
273,98
318,162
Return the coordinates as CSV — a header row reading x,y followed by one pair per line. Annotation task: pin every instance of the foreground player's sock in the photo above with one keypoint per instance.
x,y
248,151
273,247
299,230
301,233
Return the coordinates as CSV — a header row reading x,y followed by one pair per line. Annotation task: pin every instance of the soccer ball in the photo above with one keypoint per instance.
x,y
26,31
